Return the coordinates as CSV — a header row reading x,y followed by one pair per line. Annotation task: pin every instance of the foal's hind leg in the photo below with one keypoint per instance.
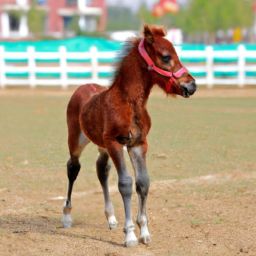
x,y
77,142
103,168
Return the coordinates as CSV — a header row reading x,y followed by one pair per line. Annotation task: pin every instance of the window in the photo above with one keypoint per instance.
x,y
71,2
88,2
67,22
14,22
41,2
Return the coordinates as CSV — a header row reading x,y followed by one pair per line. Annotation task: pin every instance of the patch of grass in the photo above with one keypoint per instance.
x,y
189,206
218,220
189,137
202,136
196,222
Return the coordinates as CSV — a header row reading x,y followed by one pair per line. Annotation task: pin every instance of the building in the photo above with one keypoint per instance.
x,y
59,15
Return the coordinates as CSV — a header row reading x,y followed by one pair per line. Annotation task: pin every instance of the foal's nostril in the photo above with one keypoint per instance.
x,y
186,93
191,87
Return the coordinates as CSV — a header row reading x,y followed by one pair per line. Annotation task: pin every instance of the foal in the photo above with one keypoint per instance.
x,y
116,117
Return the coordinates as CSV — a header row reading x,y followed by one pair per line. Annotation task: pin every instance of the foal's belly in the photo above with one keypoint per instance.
x,y
94,127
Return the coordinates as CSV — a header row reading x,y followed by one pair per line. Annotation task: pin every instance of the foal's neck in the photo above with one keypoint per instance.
x,y
133,80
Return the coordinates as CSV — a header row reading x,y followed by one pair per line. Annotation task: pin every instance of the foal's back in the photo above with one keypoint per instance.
x,y
82,95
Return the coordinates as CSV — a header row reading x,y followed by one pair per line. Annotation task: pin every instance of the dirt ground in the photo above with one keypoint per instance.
x,y
208,215
205,215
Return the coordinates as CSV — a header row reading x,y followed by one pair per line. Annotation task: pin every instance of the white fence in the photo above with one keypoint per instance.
x,y
65,68
60,68
223,67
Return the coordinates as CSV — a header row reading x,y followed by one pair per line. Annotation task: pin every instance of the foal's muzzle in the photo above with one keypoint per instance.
x,y
188,89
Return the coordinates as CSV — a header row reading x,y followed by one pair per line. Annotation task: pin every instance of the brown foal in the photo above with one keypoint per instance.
x,y
117,116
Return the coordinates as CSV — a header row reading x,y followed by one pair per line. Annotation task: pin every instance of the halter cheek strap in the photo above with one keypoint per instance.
x,y
151,66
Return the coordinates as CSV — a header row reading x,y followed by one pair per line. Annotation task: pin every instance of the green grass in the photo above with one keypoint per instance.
x,y
189,137
202,135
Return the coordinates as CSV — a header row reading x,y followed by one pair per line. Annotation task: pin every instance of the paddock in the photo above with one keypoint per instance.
x,y
201,162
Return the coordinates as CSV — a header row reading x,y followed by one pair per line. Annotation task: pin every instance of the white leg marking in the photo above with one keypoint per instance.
x,y
109,212
67,220
66,217
144,233
130,237
112,222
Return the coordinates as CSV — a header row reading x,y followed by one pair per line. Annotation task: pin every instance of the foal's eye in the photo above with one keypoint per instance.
x,y
166,58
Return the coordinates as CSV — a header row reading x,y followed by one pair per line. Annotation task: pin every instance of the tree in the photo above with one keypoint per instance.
x,y
121,18
146,16
36,19
201,16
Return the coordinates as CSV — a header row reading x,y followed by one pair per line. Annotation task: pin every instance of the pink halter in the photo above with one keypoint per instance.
x,y
152,66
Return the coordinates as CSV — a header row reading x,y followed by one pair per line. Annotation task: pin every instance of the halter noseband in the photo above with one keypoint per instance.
x,y
151,66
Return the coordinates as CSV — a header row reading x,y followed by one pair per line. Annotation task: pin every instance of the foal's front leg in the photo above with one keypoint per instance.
x,y
137,155
115,150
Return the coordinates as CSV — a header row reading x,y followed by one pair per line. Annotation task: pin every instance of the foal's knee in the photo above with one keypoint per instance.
x,y
73,168
142,184
125,186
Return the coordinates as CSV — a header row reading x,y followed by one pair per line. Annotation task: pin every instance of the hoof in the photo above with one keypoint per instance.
x,y
131,239
67,221
145,239
131,243
112,222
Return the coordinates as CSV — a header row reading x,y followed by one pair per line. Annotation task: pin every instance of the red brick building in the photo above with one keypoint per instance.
x,y
59,14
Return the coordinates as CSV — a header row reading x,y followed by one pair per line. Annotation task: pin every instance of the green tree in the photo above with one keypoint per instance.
x,y
36,19
121,18
146,16
201,16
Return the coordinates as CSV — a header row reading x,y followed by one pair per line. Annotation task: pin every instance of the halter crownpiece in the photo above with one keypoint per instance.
x,y
151,66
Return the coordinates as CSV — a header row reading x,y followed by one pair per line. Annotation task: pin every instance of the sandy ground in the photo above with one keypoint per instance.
x,y
209,215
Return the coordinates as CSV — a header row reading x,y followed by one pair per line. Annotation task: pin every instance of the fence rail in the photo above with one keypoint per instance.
x,y
210,67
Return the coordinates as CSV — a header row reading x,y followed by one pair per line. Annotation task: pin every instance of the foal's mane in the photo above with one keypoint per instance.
x,y
127,48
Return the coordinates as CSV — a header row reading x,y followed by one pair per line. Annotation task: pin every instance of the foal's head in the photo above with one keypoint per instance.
x,y
167,70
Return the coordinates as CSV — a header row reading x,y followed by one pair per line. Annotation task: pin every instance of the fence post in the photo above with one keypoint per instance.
x,y
63,67
209,66
32,66
2,68
241,65
94,63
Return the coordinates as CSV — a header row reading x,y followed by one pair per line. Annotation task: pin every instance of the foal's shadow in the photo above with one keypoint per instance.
x,y
45,225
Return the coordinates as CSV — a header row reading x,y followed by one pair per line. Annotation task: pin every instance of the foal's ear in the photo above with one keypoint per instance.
x,y
148,34
151,31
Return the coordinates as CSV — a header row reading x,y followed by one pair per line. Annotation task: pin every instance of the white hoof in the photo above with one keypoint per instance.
x,y
130,239
112,222
144,234
145,239
67,221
